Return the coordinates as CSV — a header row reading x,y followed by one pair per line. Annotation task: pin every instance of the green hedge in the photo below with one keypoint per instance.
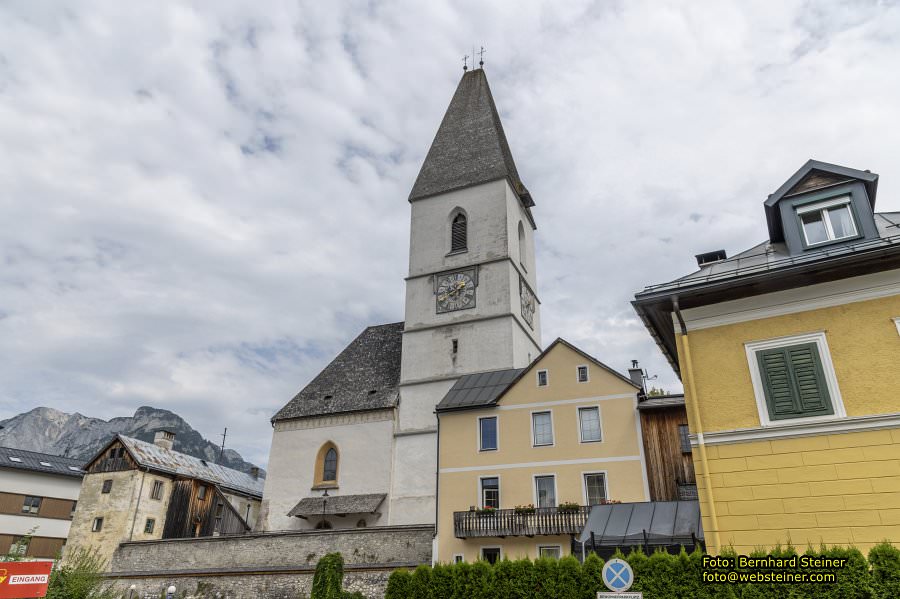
x,y
658,576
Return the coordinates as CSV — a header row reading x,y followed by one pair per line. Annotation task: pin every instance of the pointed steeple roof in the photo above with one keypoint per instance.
x,y
470,147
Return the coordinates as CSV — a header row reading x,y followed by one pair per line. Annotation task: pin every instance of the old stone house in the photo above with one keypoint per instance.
x,y
134,490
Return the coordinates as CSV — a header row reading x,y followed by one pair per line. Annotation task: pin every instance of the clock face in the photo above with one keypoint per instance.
x,y
455,291
528,303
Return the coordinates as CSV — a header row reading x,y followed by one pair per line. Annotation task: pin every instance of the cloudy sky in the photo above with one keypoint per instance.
x,y
202,203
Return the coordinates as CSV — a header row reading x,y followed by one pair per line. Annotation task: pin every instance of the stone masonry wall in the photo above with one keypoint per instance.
x,y
276,565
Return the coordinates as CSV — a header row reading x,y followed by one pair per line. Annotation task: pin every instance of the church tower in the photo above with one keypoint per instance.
x,y
471,303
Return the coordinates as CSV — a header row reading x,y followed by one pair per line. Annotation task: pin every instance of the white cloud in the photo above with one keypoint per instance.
x,y
201,205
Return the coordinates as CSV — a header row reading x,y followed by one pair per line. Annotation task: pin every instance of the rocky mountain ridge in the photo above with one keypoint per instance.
x,y
73,435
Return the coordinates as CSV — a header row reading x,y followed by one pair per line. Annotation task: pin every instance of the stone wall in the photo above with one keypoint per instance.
x,y
276,565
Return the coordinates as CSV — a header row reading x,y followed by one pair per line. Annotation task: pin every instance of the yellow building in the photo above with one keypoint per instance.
x,y
523,453
790,357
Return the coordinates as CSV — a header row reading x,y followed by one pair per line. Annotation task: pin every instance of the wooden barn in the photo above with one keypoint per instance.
x,y
667,447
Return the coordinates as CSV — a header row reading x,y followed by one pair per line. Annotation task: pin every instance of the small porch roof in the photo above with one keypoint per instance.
x,y
650,523
337,505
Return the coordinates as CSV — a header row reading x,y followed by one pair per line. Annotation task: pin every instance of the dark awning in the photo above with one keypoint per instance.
x,y
651,522
337,505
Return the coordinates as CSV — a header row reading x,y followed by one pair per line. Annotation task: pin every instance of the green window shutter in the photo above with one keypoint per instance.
x,y
794,382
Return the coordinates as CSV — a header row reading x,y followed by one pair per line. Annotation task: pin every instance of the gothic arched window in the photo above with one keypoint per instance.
x,y
326,469
329,471
458,233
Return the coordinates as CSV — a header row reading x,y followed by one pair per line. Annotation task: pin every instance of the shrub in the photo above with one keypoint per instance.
x,y
329,577
80,578
397,585
885,562
659,576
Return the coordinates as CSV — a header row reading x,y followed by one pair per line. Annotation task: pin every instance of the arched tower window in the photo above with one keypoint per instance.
x,y
521,244
327,466
459,233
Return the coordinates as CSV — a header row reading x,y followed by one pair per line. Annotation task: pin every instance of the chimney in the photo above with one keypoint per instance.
x,y
164,439
254,472
636,374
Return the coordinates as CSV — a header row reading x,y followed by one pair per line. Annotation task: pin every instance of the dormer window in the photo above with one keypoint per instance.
x,y
826,221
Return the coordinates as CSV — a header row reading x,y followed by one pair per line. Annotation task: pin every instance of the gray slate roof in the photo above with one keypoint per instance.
x,y
768,256
364,376
661,401
40,462
170,461
470,146
480,389
337,505
624,524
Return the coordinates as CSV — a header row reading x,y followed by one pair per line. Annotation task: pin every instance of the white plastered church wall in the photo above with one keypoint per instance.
x,y
364,443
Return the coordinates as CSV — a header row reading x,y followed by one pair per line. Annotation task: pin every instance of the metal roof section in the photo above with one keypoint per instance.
x,y
337,505
364,376
19,459
650,523
767,257
480,389
470,146
154,457
661,401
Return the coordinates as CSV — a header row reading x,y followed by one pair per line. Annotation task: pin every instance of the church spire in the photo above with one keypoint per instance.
x,y
470,147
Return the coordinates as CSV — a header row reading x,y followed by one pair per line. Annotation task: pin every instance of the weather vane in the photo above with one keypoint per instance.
x,y
481,58
466,62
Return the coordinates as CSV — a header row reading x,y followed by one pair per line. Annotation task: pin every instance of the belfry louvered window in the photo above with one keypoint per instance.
x,y
794,382
458,233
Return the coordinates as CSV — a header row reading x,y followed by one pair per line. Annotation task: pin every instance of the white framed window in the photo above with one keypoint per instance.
x,y
458,558
793,380
489,491
596,489
545,490
551,551
488,433
97,526
149,525
491,555
543,378
825,221
542,428
581,373
589,429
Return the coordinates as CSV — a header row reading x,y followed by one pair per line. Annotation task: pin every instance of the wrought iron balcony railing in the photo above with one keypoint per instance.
x,y
516,523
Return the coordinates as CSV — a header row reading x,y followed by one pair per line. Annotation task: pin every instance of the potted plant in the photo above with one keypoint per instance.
x,y
568,506
525,509
486,511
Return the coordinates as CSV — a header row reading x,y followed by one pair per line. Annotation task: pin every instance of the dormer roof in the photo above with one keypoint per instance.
x,y
812,176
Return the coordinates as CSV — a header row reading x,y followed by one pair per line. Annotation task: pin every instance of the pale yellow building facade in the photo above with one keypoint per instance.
x,y
524,453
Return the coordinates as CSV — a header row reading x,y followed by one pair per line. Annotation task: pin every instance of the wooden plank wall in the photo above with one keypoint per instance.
x,y
189,516
666,464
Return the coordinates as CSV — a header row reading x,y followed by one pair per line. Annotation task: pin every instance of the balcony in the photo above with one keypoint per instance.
x,y
516,523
